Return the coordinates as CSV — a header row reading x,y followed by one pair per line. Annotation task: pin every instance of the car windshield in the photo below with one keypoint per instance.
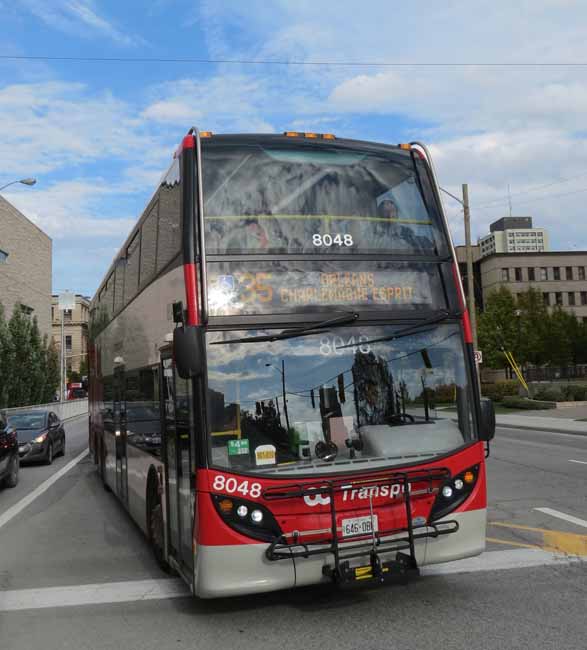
x,y
337,399
317,199
27,420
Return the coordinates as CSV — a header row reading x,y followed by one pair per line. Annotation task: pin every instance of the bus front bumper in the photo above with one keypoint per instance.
x,y
223,571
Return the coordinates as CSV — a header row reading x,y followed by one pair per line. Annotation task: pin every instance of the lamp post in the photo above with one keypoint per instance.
x,y
282,372
23,181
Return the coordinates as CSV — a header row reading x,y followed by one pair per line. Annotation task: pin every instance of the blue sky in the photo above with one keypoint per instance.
x,y
97,136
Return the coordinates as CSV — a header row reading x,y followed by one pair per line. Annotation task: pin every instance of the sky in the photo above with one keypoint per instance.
x,y
493,87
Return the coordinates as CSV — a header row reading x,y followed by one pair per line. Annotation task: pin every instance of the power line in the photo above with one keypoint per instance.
x,y
536,188
276,62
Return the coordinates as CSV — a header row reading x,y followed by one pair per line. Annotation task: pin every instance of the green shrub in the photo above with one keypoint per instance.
x,y
525,403
500,389
549,394
575,393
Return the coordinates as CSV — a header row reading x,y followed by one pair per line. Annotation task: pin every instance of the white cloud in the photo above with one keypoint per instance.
x,y
78,18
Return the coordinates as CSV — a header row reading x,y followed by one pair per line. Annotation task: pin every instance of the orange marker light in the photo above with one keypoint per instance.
x,y
329,136
206,134
311,135
405,146
469,477
225,506
291,134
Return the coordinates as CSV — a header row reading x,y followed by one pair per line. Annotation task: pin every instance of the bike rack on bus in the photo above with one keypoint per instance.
x,y
372,544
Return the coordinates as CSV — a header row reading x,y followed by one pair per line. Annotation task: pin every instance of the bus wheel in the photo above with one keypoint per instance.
x,y
156,526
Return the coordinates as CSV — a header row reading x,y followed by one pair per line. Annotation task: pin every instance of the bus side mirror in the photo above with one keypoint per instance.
x,y
188,351
487,420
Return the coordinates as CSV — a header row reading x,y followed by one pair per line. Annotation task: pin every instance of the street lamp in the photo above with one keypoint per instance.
x,y
282,372
24,181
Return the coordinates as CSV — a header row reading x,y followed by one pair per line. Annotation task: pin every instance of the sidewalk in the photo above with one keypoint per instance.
x,y
566,420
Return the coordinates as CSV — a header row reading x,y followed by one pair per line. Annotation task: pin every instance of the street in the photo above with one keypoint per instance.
x,y
75,534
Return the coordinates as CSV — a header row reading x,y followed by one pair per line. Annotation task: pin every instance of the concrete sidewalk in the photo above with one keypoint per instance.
x,y
556,424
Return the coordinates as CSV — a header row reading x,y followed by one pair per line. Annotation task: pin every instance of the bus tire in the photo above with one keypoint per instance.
x,y
155,522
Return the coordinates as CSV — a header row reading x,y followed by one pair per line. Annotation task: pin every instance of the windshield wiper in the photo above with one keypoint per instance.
x,y
347,317
410,329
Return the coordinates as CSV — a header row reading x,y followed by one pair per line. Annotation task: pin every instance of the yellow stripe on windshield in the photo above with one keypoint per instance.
x,y
319,216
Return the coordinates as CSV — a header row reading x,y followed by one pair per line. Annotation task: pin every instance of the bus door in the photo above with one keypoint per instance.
x,y
177,427
119,417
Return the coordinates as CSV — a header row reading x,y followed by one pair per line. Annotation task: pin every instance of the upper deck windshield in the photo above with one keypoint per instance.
x,y
317,199
340,400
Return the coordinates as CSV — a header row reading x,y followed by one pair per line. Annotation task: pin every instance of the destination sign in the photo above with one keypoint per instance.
x,y
278,287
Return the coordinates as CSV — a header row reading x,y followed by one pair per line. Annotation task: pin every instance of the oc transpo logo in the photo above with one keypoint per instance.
x,y
350,494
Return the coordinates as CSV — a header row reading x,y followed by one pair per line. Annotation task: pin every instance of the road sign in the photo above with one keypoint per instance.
x,y
66,301
478,356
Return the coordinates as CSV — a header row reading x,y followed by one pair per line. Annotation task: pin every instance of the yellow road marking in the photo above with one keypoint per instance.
x,y
553,540
503,541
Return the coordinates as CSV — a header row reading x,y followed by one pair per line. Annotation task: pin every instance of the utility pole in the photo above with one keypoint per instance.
x,y
470,277
284,393
62,373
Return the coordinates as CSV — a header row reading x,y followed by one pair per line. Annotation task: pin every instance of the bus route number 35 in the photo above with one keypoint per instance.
x,y
231,485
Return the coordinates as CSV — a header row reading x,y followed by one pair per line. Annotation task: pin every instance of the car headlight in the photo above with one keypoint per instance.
x,y
40,439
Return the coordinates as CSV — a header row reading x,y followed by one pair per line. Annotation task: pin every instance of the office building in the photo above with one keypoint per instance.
x,y
514,235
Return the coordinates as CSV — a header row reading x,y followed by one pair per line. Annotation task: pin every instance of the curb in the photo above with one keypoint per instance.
x,y
543,430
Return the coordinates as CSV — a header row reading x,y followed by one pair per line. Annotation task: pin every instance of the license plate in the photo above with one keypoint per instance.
x,y
358,526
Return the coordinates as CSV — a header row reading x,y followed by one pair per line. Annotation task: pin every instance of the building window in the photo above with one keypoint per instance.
x,y
571,298
558,297
543,273
3,256
67,315
581,270
569,272
68,343
505,275
546,298
518,272
531,276
584,297
556,272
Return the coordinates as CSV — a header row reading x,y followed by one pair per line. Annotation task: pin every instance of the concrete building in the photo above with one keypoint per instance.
x,y
25,266
561,277
75,330
513,235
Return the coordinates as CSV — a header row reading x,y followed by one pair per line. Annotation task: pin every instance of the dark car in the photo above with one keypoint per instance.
x,y
40,435
9,461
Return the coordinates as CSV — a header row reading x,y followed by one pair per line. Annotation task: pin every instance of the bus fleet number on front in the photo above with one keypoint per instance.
x,y
329,240
231,485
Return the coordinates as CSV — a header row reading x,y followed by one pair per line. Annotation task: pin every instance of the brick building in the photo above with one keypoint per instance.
x,y
75,330
25,266
561,277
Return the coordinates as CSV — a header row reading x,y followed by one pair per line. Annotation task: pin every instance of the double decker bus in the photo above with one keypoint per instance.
x,y
282,385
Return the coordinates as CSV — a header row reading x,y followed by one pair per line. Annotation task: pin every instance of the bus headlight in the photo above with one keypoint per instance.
x,y
454,492
246,517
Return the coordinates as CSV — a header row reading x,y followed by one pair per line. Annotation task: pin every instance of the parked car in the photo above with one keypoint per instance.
x,y
9,460
40,433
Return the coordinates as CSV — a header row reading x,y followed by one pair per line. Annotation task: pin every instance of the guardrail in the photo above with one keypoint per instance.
x,y
64,410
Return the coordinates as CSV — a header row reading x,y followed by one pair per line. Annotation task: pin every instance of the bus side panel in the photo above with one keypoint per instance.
x,y
109,459
467,542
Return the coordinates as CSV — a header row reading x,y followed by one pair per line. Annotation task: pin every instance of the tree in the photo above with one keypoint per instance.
x,y
6,360
532,325
497,327
557,341
19,389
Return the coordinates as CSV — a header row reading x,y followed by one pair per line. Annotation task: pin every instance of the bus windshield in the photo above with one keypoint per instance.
x,y
342,399
317,199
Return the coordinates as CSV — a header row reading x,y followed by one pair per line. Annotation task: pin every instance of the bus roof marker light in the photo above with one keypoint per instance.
x,y
291,134
406,147
206,134
328,136
310,135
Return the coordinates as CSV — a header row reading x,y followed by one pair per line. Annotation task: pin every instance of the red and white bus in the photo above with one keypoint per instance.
x,y
282,386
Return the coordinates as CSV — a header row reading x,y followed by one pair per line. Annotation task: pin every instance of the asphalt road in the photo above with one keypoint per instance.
x,y
76,534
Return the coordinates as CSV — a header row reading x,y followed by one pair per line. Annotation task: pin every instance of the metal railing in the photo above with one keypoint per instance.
x,y
64,410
